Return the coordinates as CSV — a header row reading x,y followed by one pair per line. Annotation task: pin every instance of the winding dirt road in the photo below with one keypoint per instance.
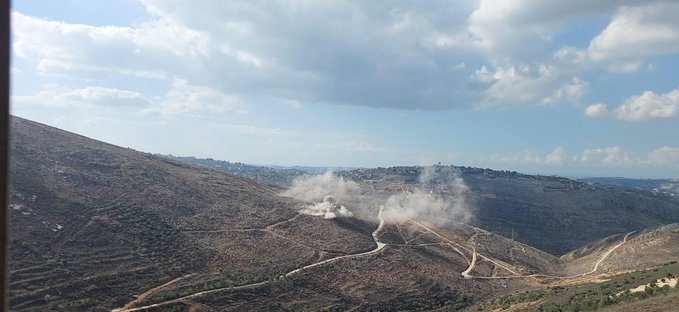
x,y
470,249
475,255
465,273
596,264
151,291
378,248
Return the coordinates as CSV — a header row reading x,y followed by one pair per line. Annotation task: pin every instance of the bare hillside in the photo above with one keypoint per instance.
x,y
100,227
94,224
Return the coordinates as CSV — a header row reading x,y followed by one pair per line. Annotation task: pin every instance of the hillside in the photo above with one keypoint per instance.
x,y
100,227
93,224
553,214
636,271
649,247
540,211
278,176
669,186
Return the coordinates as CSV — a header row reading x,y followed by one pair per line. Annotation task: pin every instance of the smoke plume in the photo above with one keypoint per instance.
x,y
328,192
438,198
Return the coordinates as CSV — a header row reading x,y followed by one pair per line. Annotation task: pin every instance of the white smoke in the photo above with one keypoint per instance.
x,y
439,197
328,208
329,193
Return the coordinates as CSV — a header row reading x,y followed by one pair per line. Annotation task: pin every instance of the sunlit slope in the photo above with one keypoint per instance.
x,y
643,249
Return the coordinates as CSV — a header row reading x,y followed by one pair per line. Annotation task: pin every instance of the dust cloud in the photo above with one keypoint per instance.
x,y
439,197
328,191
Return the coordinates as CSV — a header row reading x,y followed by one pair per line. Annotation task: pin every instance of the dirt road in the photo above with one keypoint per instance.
x,y
375,235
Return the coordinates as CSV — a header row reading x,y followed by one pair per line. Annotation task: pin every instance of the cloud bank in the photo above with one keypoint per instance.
x,y
406,55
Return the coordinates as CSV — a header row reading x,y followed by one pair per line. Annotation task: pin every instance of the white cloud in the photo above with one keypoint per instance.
x,y
570,55
524,29
252,130
572,92
460,66
516,85
69,69
606,156
93,94
182,98
416,56
249,59
650,105
605,161
156,46
317,140
185,98
554,158
87,96
483,75
38,38
495,28
596,110
666,155
577,88
408,56
539,84
347,52
628,67
164,35
637,32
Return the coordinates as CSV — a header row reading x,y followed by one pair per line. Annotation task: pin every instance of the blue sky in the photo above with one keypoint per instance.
x,y
575,88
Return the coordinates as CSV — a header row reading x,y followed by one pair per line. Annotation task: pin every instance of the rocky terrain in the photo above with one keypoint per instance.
x,y
99,227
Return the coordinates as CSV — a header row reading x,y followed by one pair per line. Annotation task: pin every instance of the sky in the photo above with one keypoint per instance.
x,y
556,87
